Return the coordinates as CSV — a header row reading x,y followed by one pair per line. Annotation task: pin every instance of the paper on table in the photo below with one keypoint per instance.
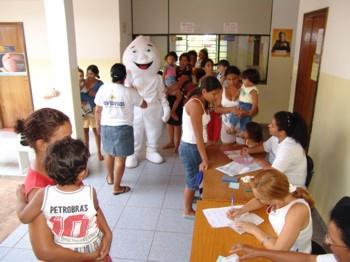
x,y
232,153
247,217
232,258
234,168
217,218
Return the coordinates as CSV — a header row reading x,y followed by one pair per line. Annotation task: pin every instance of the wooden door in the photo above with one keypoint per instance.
x,y
15,93
314,25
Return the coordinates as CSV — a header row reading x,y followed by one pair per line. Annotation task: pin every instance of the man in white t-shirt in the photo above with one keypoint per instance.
x,y
337,239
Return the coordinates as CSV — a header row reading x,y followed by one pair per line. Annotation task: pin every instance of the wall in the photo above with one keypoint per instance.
x,y
330,138
274,96
97,37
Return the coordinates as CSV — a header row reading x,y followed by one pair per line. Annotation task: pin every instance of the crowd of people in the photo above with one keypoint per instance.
x,y
207,107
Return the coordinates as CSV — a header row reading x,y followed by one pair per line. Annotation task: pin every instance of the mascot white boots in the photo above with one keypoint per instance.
x,y
142,62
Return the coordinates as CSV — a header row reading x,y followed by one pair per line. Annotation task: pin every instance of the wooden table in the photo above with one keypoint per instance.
x,y
213,186
208,243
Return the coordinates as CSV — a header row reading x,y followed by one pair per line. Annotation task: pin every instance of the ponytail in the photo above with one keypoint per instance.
x,y
302,193
294,126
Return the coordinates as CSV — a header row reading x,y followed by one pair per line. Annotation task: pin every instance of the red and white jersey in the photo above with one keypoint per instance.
x,y
71,216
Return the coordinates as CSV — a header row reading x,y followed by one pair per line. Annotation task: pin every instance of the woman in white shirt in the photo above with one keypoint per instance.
x,y
194,136
288,208
286,146
337,239
114,118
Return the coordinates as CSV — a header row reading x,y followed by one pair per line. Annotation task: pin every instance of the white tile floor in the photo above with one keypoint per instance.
x,y
147,222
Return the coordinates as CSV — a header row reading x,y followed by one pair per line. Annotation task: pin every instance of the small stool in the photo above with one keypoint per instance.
x,y
23,155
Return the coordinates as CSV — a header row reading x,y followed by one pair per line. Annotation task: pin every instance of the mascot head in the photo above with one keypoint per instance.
x,y
141,57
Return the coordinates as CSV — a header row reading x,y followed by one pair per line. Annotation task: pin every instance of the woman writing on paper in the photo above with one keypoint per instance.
x,y
288,208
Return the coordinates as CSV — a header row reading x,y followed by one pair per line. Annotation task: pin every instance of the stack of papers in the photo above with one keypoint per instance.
x,y
217,218
233,168
232,258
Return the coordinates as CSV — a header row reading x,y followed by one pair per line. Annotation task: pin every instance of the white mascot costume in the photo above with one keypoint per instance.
x,y
142,62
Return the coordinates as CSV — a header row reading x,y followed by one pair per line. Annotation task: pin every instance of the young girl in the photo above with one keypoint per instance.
x,y
248,98
289,138
84,96
92,84
252,135
214,125
202,55
42,128
69,207
172,89
229,104
115,113
289,212
192,147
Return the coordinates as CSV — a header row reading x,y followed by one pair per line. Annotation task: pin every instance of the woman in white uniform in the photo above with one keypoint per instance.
x,y
289,138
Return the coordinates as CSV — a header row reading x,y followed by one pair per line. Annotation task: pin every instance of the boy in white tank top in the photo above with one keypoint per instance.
x,y
70,207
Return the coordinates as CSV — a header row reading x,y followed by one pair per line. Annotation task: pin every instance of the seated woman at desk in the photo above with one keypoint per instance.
x,y
337,239
286,146
288,208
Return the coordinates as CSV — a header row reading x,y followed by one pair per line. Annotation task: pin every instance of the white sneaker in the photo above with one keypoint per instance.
x,y
154,157
131,161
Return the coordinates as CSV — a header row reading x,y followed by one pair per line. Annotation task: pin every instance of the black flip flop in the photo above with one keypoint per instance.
x,y
125,189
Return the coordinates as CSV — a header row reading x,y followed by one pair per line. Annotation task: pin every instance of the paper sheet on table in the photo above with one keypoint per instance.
x,y
232,153
233,168
217,218
232,258
247,217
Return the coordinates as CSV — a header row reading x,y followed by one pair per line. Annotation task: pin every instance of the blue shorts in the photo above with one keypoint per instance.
x,y
118,140
191,159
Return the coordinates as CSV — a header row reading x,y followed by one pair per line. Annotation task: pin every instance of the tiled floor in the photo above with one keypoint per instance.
x,y
147,222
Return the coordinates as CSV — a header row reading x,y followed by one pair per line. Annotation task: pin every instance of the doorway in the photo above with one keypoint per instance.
x,y
15,92
314,25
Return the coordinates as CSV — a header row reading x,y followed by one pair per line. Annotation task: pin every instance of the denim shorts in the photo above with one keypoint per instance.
x,y
191,159
118,140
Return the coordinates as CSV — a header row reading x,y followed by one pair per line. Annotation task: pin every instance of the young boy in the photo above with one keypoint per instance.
x,y
70,207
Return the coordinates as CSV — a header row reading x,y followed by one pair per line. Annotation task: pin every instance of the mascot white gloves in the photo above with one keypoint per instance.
x,y
142,62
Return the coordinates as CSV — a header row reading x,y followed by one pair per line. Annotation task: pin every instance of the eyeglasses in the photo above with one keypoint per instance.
x,y
329,242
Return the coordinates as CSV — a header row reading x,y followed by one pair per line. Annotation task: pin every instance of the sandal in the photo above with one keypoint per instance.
x,y
109,180
125,189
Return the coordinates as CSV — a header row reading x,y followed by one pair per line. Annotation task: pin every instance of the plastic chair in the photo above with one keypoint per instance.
x,y
309,169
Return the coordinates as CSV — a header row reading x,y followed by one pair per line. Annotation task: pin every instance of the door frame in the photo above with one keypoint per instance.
x,y
323,11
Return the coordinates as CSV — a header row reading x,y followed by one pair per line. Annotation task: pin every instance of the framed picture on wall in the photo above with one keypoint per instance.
x,y
12,63
281,39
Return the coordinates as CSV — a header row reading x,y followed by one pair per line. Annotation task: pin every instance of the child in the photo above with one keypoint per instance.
x,y
252,135
84,97
169,77
69,207
248,98
221,69
115,112
214,126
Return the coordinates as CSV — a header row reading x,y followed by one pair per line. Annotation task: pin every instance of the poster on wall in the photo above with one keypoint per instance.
x,y
12,64
187,27
281,39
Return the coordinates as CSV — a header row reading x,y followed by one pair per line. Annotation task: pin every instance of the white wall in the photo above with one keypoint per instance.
x,y
330,137
274,96
97,36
